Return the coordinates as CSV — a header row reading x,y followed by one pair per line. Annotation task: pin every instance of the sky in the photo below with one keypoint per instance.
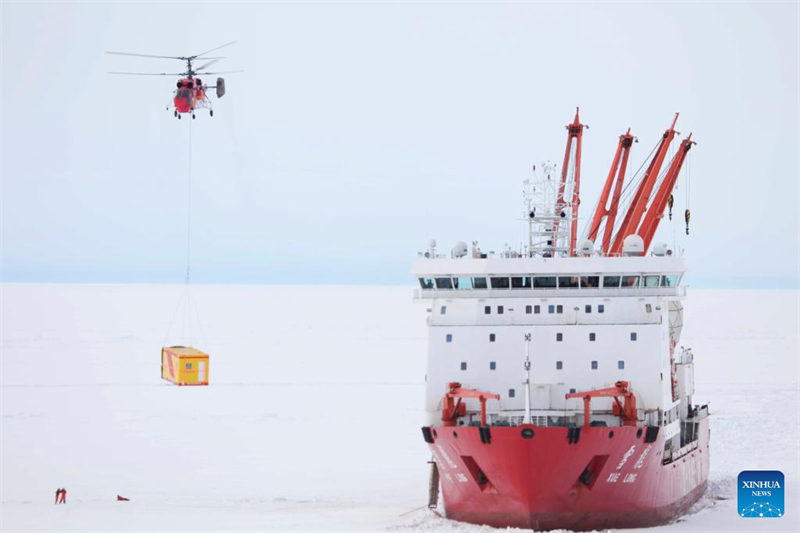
x,y
358,131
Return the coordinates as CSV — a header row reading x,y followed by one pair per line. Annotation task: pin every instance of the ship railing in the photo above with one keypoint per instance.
x,y
679,292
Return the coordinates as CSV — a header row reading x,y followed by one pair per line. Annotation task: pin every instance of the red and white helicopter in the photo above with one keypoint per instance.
x,y
191,93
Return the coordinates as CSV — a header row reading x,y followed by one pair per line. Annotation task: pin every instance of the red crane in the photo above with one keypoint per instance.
x,y
604,209
656,211
574,131
453,408
620,389
635,211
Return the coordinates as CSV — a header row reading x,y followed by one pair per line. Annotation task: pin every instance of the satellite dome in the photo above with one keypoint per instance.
x,y
460,249
586,247
661,249
432,243
633,245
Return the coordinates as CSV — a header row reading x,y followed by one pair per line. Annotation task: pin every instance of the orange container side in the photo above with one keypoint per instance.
x,y
184,365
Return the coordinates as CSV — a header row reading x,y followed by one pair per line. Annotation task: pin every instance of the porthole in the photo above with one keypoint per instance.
x,y
610,434
527,433
455,435
434,433
639,433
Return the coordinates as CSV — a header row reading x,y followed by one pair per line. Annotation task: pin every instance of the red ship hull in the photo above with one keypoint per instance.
x,y
603,477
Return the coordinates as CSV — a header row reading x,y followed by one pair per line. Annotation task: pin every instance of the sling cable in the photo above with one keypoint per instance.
x,y
184,364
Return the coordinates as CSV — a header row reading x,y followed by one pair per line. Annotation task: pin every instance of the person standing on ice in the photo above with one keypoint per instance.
x,y
58,493
63,496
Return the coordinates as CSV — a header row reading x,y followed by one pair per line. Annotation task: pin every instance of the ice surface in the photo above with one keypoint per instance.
x,y
312,418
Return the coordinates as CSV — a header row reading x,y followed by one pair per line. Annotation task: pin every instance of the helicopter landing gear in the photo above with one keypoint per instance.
x,y
211,112
193,117
176,113
179,117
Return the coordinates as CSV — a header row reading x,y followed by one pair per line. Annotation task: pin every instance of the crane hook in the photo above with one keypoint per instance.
x,y
688,216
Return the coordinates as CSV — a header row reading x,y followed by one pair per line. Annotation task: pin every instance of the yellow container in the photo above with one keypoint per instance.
x,y
184,365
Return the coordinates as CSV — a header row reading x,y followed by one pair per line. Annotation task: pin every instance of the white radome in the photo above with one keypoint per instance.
x,y
460,249
633,245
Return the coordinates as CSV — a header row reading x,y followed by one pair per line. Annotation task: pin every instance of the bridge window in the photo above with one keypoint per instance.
x,y
463,366
444,283
611,281
499,309
594,365
462,284
633,335
537,309
492,366
492,337
621,365
449,337
521,282
568,282
588,309
601,308
551,309
511,393
651,281
479,283
426,283
559,337
499,283
443,310
528,309
630,281
487,310
648,308
544,282
670,280
590,282
572,391
559,365
559,309
592,337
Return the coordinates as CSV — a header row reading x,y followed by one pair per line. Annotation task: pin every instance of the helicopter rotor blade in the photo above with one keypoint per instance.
x,y
213,49
215,73
148,73
207,64
142,55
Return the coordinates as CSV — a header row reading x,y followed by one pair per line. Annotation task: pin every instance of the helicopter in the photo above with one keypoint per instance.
x,y
191,93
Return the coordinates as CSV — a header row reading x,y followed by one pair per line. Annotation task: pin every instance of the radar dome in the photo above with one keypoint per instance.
x,y
586,247
633,245
661,249
460,249
432,243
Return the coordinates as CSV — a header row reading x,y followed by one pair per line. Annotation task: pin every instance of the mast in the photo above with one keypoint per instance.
x,y
604,210
642,196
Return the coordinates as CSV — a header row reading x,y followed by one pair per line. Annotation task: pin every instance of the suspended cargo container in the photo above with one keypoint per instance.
x,y
184,365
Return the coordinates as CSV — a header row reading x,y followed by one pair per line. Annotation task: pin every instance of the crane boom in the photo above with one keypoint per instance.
x,y
635,211
656,212
574,131
604,209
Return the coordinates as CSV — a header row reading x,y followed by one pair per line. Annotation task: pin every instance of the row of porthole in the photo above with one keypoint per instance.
x,y
559,337
559,365
528,433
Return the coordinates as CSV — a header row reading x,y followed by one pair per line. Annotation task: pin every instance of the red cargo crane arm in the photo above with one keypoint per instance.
x,y
453,408
574,131
635,211
620,389
604,209
656,211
